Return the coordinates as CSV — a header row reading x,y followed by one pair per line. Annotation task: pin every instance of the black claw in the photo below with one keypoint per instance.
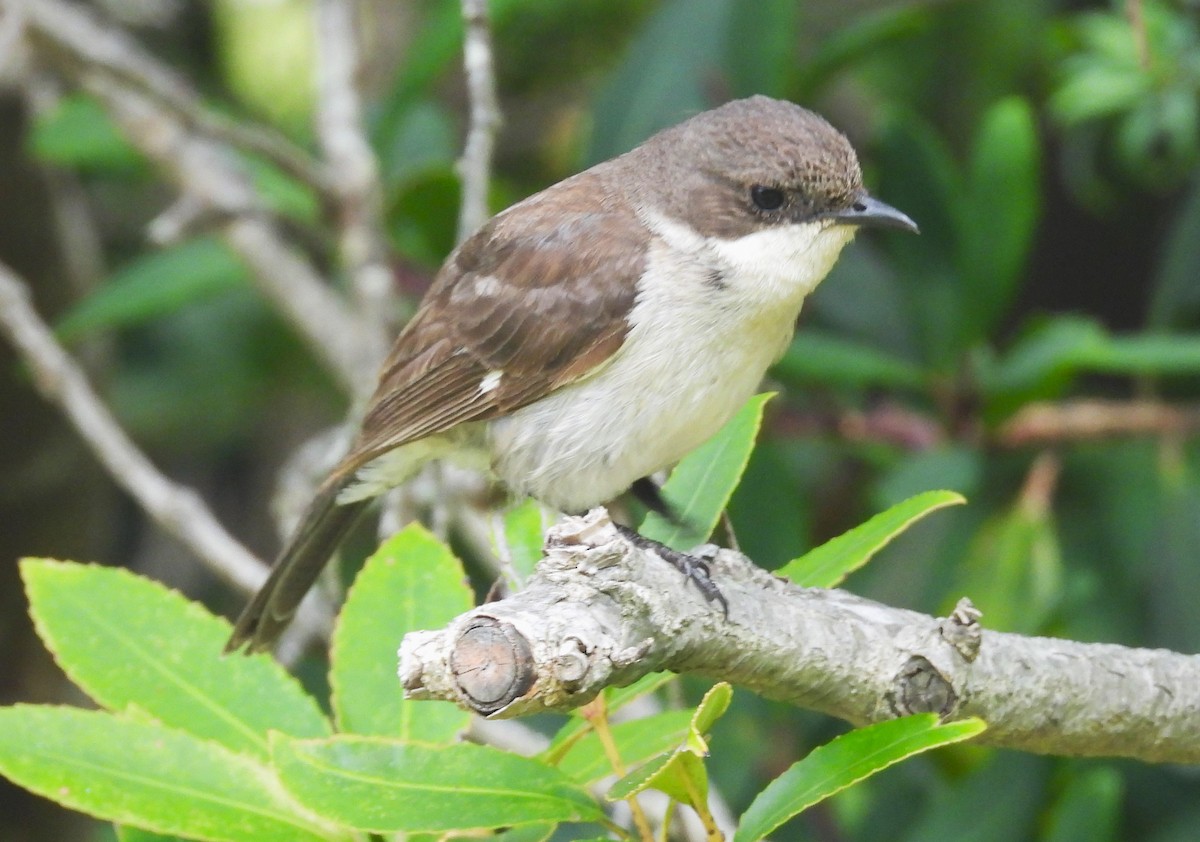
x,y
693,568
698,572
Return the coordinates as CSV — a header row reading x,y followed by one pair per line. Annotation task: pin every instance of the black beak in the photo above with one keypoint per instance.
x,y
866,210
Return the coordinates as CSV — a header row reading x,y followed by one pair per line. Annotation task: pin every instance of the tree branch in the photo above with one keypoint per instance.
x,y
474,167
76,34
206,171
356,190
177,509
1090,419
600,612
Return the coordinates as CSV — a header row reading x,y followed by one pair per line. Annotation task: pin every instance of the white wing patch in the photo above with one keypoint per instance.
x,y
486,285
490,381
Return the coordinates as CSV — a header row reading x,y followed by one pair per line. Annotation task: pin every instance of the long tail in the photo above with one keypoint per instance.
x,y
322,527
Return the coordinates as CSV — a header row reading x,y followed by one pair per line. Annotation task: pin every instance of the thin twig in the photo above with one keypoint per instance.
x,y
596,712
177,509
1090,419
356,188
12,24
474,167
1035,425
75,33
1137,23
206,173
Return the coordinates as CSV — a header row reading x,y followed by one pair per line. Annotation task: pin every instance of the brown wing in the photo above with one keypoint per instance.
x,y
542,294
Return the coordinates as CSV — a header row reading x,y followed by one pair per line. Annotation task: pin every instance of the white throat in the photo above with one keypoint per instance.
x,y
777,266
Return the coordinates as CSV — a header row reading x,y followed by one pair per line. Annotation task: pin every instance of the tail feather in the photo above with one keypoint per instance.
x,y
322,527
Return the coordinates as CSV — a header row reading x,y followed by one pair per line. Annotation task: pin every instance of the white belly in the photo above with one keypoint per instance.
x,y
696,351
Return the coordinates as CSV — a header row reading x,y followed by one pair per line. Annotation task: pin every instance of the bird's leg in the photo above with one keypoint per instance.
x,y
693,568
649,493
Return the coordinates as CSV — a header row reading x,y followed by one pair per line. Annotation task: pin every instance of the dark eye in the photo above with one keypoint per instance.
x,y
766,198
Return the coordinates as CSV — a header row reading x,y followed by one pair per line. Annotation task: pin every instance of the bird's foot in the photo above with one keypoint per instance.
x,y
693,568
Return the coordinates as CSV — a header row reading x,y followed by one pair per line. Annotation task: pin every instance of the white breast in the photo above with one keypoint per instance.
x,y
710,317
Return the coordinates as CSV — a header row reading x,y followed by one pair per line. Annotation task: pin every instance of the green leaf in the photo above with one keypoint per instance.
x,y
771,507
827,565
1175,300
1172,584
422,140
130,642
154,285
1089,808
524,531
818,357
529,833
147,775
281,192
865,300
662,77
636,740
427,58
615,698
1109,36
711,708
386,786
412,582
1094,89
125,833
1162,355
997,797
858,38
918,174
702,483
618,697
78,133
1003,177
421,218
761,45
1041,363
680,773
1013,569
845,761
957,465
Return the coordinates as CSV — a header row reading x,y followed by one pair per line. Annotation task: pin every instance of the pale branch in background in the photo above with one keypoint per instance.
x,y
12,22
75,34
601,612
1038,424
356,188
1091,419
176,508
205,171
214,187
474,167
1137,23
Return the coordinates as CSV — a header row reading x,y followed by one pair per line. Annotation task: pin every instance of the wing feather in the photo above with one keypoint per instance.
x,y
541,294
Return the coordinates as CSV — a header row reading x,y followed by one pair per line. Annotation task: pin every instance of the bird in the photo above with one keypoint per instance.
x,y
593,334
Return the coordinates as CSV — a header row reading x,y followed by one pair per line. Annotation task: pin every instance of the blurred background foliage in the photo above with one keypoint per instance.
x,y
1047,148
